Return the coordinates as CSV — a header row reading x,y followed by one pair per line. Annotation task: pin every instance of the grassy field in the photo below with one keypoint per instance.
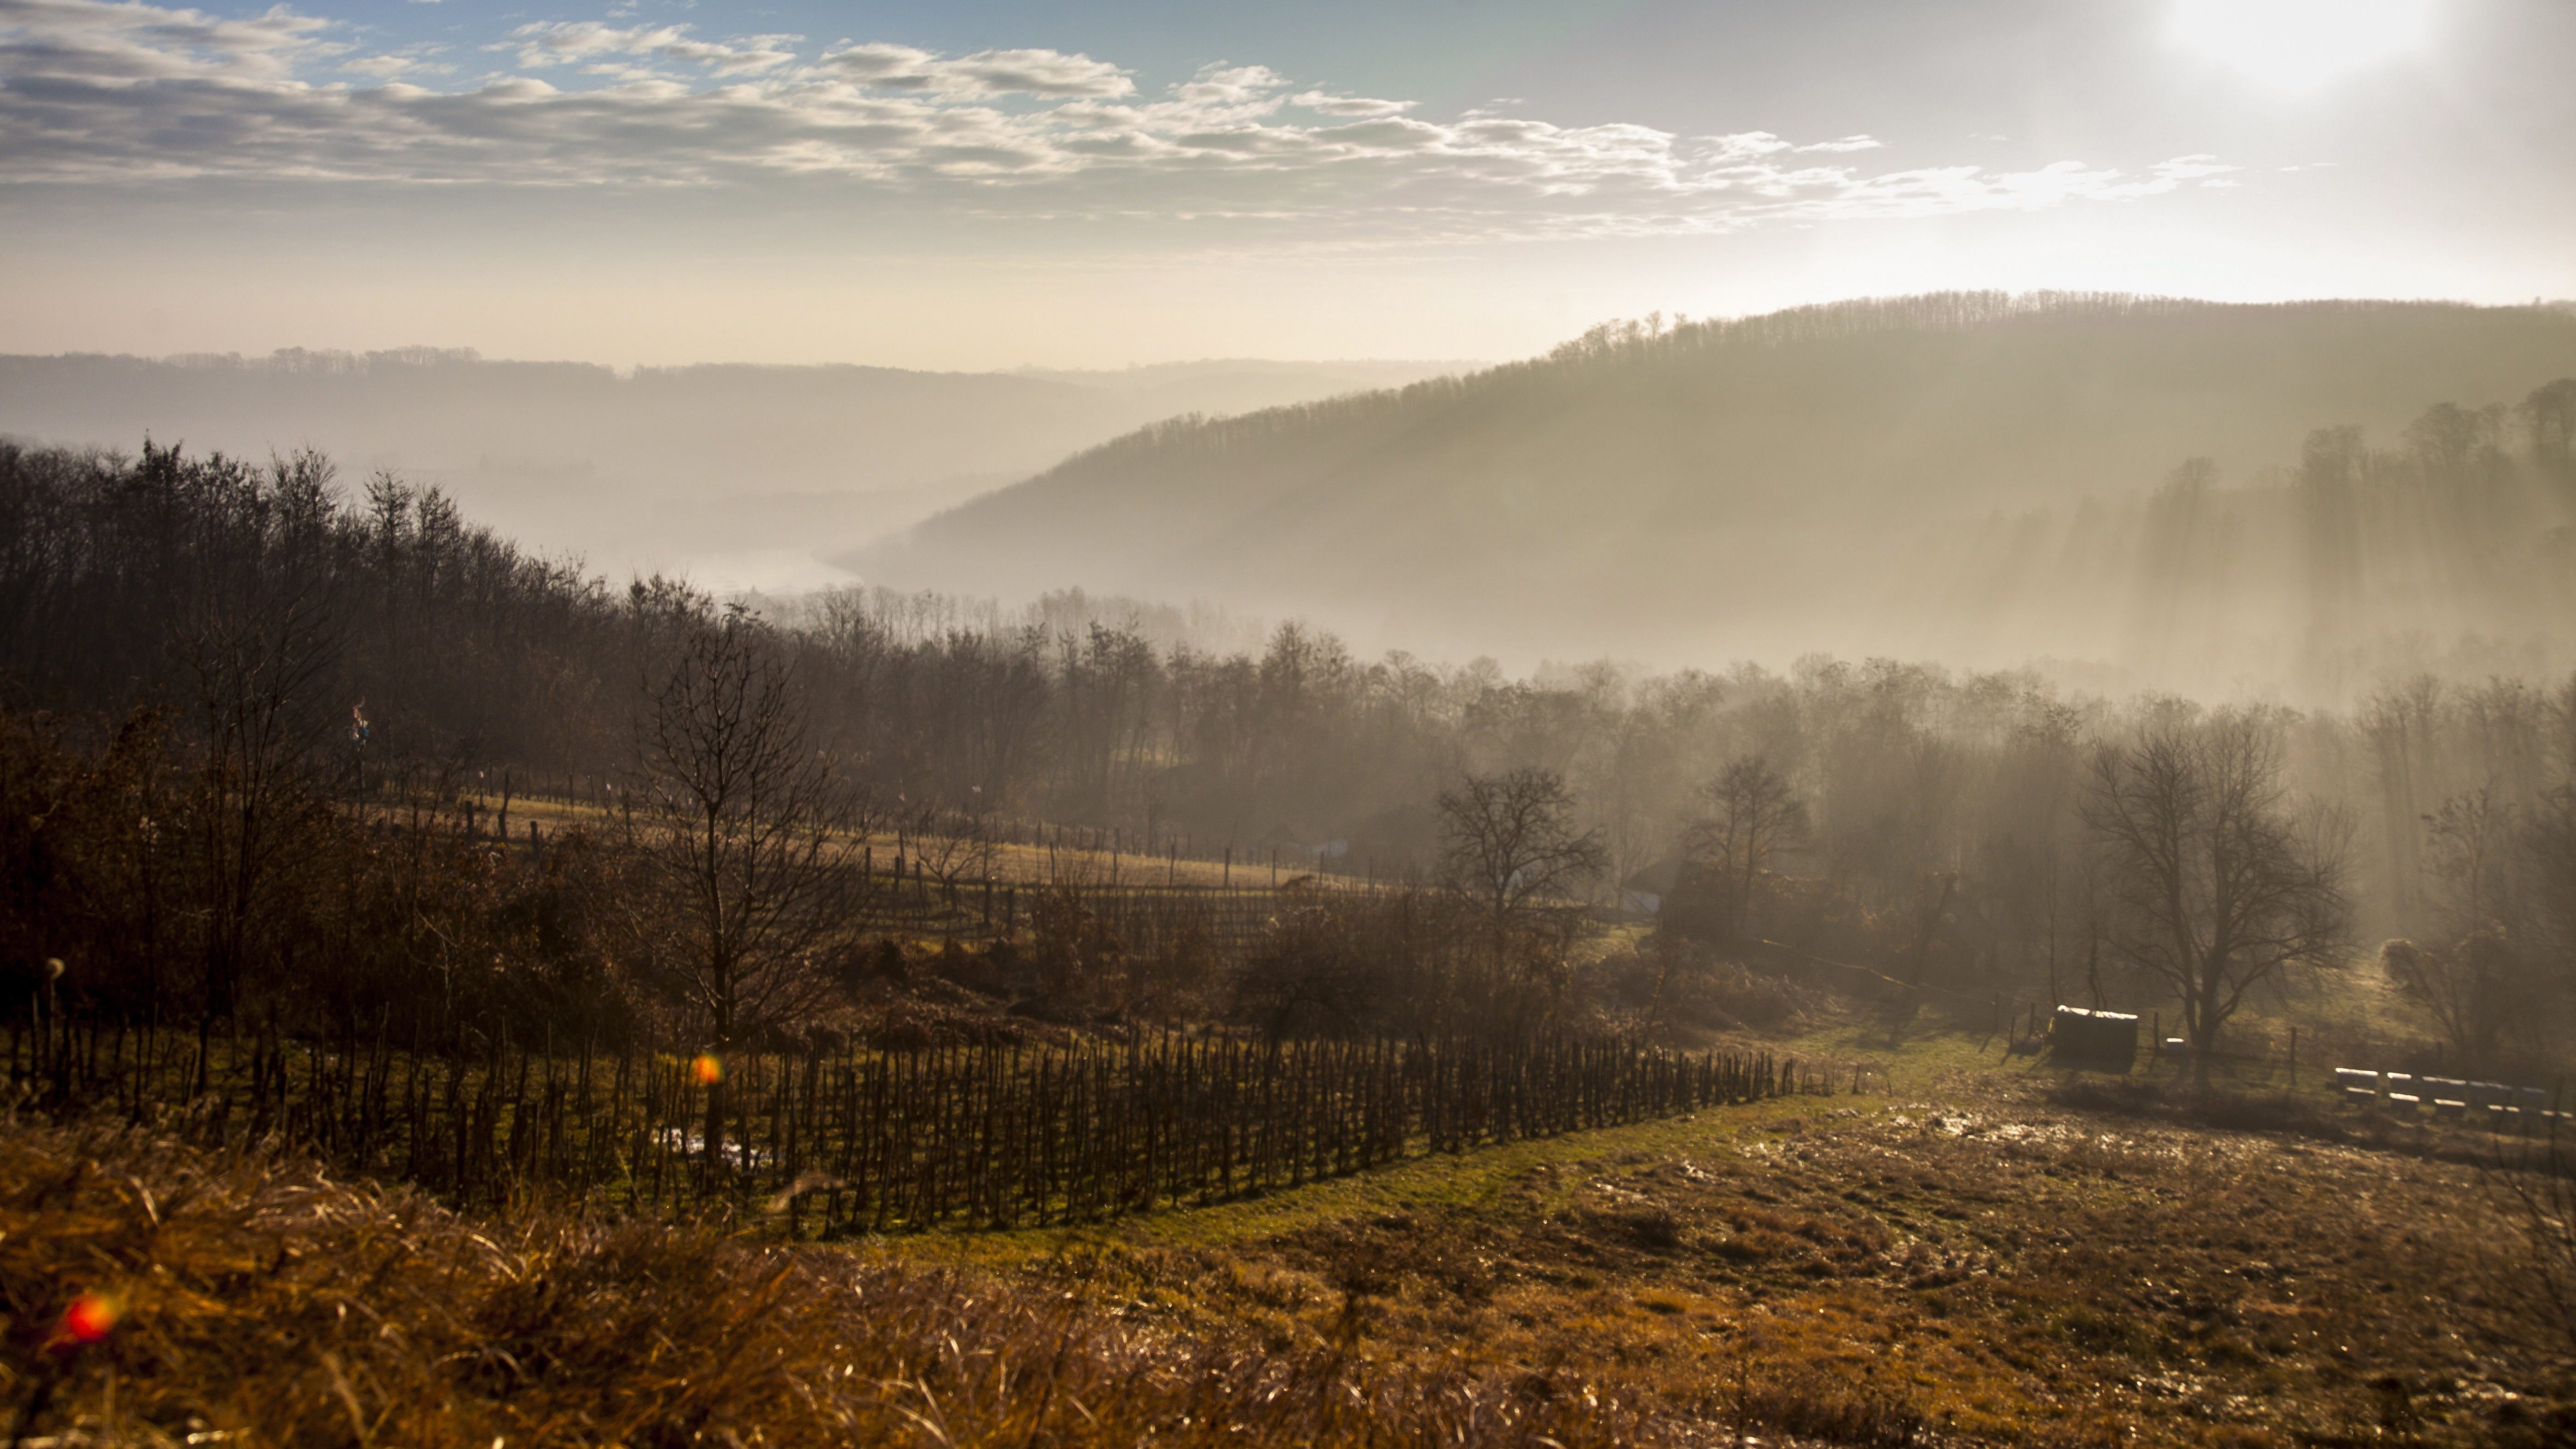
x,y
1013,862
1987,1253
1976,1250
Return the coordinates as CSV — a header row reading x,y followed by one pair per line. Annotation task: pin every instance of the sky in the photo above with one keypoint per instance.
x,y
1098,183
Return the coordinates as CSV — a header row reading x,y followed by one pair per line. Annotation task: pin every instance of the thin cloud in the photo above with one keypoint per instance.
x,y
1324,103
1050,74
120,93
561,42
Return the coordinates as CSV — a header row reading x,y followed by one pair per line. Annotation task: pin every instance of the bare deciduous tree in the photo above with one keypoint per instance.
x,y
1752,815
2218,887
258,640
742,821
2478,978
2549,846
1509,840
955,848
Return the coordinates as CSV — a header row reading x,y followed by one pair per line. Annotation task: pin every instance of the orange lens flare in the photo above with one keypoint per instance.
x,y
708,1069
89,1319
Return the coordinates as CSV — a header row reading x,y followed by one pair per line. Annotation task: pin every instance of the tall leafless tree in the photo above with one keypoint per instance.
x,y
2479,976
2549,860
2219,887
1751,816
745,825
1508,841
257,639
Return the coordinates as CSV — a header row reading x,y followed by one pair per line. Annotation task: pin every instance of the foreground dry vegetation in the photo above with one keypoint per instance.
x,y
262,1303
1992,1258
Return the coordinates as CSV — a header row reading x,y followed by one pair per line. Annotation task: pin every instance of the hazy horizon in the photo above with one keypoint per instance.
x,y
1999,494
738,476
828,295
991,186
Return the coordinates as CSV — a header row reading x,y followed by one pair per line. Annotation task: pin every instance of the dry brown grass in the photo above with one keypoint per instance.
x,y
260,1302
1990,1267
1996,1264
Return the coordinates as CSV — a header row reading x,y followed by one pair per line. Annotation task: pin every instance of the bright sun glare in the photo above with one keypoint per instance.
x,y
2296,44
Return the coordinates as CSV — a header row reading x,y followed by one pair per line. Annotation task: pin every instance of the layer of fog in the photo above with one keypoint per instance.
x,y
737,477
2281,502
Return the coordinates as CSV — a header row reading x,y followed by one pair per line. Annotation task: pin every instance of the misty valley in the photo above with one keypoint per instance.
x,y
1954,870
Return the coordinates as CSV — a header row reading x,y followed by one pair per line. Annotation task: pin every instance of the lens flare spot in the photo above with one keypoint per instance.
x,y
708,1069
91,1318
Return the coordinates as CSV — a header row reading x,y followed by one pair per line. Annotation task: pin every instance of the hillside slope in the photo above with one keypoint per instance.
x,y
1811,479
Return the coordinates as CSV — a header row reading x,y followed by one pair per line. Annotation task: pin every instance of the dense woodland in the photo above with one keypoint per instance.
x,y
252,711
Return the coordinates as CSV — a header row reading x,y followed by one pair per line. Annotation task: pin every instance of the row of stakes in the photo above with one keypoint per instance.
x,y
2500,1106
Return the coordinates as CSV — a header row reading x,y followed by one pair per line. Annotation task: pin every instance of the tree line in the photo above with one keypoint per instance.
x,y
242,701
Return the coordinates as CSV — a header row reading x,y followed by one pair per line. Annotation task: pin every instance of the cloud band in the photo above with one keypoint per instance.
x,y
93,92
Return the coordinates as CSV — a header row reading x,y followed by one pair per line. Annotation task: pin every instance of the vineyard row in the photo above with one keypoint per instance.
x,y
861,1141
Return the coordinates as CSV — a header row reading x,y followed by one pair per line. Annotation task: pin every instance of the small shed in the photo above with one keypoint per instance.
x,y
2100,1041
1642,893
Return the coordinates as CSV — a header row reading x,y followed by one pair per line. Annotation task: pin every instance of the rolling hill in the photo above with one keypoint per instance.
x,y
1967,476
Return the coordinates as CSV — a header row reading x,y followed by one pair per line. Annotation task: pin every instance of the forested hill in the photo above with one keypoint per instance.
x,y
1819,478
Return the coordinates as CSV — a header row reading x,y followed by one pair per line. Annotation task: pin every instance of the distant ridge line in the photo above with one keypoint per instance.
x,y
1640,341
